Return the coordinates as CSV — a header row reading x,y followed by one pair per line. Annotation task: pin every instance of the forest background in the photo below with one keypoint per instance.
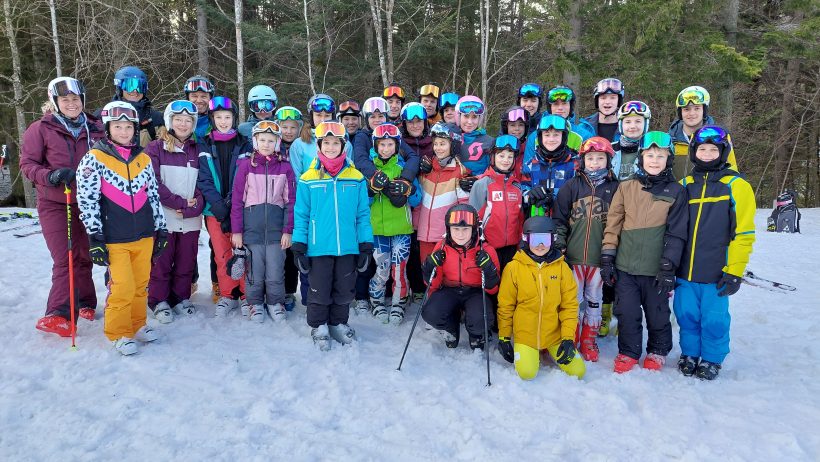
x,y
760,60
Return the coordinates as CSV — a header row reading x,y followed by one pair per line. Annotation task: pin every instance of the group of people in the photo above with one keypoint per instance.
x,y
539,233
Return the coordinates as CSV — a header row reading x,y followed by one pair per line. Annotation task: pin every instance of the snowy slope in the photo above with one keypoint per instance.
x,y
231,390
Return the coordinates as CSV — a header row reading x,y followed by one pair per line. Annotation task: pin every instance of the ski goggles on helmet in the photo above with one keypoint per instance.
x,y
266,126
467,107
262,105
553,121
530,89
349,108
711,134
183,107
220,103
440,130
507,142
413,112
656,138
447,99
536,239
609,86
132,84
430,90
596,144
288,113
393,90
386,131
634,107
67,86
323,105
560,94
517,115
199,85
692,96
461,218
334,129
119,113
375,105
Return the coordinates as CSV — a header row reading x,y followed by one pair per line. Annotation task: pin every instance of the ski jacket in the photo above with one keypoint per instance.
x,y
498,199
48,145
552,174
475,150
246,128
118,196
645,224
363,142
680,140
152,123
332,214
177,169
580,213
460,269
216,186
721,225
625,161
263,197
577,135
301,155
537,303
439,192
385,218
422,146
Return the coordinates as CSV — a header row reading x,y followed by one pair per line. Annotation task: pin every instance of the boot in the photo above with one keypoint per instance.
x,y
707,370
162,312
55,324
687,365
87,313
450,339
624,363
146,334
588,347
477,342
606,317
125,346
397,311
379,310
342,333
654,362
215,293
321,337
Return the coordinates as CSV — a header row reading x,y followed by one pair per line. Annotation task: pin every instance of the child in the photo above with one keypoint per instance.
x,y
350,115
720,238
447,107
529,98
646,229
262,101
476,145
608,96
580,215
440,188
290,123
466,270
633,123
264,193
552,165
390,219
332,236
537,305
121,233
428,97
395,97
414,127
176,165
219,153
321,108
515,122
376,112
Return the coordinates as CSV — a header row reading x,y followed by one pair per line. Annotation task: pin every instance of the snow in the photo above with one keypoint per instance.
x,y
230,389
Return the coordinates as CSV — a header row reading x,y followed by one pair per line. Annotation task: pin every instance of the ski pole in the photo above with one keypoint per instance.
x,y
486,329
70,268
421,307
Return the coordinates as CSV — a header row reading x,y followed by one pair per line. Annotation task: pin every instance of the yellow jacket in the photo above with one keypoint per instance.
x,y
537,303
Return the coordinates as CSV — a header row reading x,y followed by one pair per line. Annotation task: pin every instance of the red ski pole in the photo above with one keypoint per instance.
x,y
70,269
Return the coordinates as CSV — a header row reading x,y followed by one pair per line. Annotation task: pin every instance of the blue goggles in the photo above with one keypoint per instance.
x,y
132,84
507,142
530,89
448,99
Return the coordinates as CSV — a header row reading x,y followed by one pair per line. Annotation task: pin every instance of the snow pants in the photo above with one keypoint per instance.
x,y
443,310
632,293
591,291
417,284
291,273
221,245
332,284
54,223
129,271
390,254
528,361
173,270
704,320
265,281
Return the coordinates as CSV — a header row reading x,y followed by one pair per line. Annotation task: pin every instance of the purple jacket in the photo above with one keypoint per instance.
x,y
48,145
263,198
177,173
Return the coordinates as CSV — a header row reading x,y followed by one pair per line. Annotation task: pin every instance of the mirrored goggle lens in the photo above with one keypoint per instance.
x,y
394,91
470,106
711,134
323,105
536,239
180,106
266,126
461,218
220,103
288,114
634,107
199,85
330,129
530,89
120,113
507,142
560,94
349,106
595,146
132,84
68,87
448,99
517,115
414,112
385,131
659,139
556,122
429,90
691,97
375,105
609,85
262,105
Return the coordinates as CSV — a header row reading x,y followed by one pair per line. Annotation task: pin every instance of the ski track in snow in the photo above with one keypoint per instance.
x,y
229,389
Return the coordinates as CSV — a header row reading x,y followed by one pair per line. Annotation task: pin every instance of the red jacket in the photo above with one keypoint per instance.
x,y
47,146
498,200
460,269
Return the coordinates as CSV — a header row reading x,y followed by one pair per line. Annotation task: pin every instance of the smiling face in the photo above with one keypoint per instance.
x,y
132,96
692,115
530,104
469,122
290,130
449,115
121,132
461,234
633,126
560,108
351,123
707,152
415,127
70,106
395,106
223,121
182,125
200,100
516,129
595,161
504,160
376,118
608,103
654,160
441,147
332,147
429,103
386,148
551,139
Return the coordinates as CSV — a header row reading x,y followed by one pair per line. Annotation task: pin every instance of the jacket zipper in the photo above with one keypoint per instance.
x,y
697,224
506,210
131,194
432,200
265,204
589,221
336,211
540,306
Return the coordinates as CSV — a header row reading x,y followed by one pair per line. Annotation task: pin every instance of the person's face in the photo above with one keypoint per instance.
x,y
441,147
516,129
530,104
266,143
504,160
290,130
200,100
429,104
121,132
395,106
633,126
319,117
461,234
376,118
351,123
70,105
539,250
692,115
223,120
183,125
551,139
332,147
469,122
415,127
263,115
654,160
386,148
707,152
560,108
132,96
449,115
608,103
595,161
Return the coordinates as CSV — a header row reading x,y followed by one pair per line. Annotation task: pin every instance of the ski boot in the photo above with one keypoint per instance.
x,y
54,324
290,302
397,311
450,339
707,370
87,313
361,307
624,363
224,306
654,362
342,333
215,292
477,342
379,310
321,337
125,346
606,317
687,365
146,334
588,347
162,312
258,313
277,312
185,307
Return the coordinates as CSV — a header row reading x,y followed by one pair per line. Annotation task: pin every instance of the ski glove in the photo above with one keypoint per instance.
x,y
466,183
398,188
506,349
363,260
483,260
608,273
98,250
565,353
665,280
300,258
160,243
425,165
61,175
379,180
433,261
729,284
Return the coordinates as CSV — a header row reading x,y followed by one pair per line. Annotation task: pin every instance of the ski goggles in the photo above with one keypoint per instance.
x,y
386,131
349,108
266,126
655,138
553,121
461,218
132,84
183,107
288,113
609,86
468,107
447,99
693,96
597,144
430,90
507,142
67,87
413,112
393,90
517,115
199,85
634,107
711,134
375,105
323,105
334,129
120,113
221,103
530,89
560,94
536,239
262,105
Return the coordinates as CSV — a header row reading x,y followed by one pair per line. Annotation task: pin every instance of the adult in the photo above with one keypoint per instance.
x,y
52,149
395,97
608,96
561,102
529,98
131,86
350,115
199,90
262,101
428,97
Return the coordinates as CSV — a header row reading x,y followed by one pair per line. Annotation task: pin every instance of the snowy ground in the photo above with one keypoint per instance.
x,y
231,390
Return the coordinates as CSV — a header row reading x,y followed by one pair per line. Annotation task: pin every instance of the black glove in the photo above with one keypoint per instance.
x,y
565,353
225,225
467,183
363,260
160,243
728,284
61,175
300,258
398,188
98,250
433,261
425,165
506,349
665,280
536,194
398,201
608,273
379,180
485,263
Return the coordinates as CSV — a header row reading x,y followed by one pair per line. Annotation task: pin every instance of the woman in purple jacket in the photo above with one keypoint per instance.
x,y
52,149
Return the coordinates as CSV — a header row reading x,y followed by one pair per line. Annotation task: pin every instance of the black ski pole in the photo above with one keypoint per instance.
x,y
486,329
421,307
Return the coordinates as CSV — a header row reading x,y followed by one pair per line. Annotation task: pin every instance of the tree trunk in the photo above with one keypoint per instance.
x,y
240,58
376,11
388,14
55,38
572,78
455,51
727,94
201,37
307,37
368,38
782,151
484,32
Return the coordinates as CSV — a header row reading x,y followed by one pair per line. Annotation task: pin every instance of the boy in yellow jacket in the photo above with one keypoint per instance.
x,y
538,305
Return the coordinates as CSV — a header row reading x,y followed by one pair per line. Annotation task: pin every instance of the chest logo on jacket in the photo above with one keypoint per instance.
x,y
475,150
582,208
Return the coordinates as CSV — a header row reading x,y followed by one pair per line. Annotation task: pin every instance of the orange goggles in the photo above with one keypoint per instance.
x,y
326,129
393,90
461,218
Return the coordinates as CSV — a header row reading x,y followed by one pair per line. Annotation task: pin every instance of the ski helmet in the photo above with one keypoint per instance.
x,y
430,90
262,98
222,103
199,83
596,144
785,198
289,113
693,95
531,89
130,78
515,114
659,139
446,100
394,90
330,129
547,122
180,106
349,108
503,142
64,86
469,103
608,85
372,105
386,131
711,134
267,126
462,215
119,110
538,229
443,130
412,111
634,108
561,93
320,102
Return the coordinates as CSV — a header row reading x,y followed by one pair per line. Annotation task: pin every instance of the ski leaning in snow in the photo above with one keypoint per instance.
x,y
28,233
15,228
756,281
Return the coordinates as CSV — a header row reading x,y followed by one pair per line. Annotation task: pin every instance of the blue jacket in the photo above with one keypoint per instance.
x,y
362,143
592,121
245,128
578,134
552,174
332,214
475,152
209,180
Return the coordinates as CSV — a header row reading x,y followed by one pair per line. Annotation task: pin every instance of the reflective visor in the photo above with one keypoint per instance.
x,y
429,90
413,112
288,113
536,239
691,97
560,94
68,87
349,106
266,126
386,131
517,115
507,142
634,107
262,105
375,105
323,105
448,99
656,138
393,90
609,86
461,218
326,129
181,106
530,89
471,106
711,134
220,103
120,113
132,84
199,85
596,144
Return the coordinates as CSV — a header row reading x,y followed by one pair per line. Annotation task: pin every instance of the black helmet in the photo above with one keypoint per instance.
x,y
539,224
462,215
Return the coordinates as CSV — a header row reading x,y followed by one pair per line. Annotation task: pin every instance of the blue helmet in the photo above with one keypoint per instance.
x,y
130,78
